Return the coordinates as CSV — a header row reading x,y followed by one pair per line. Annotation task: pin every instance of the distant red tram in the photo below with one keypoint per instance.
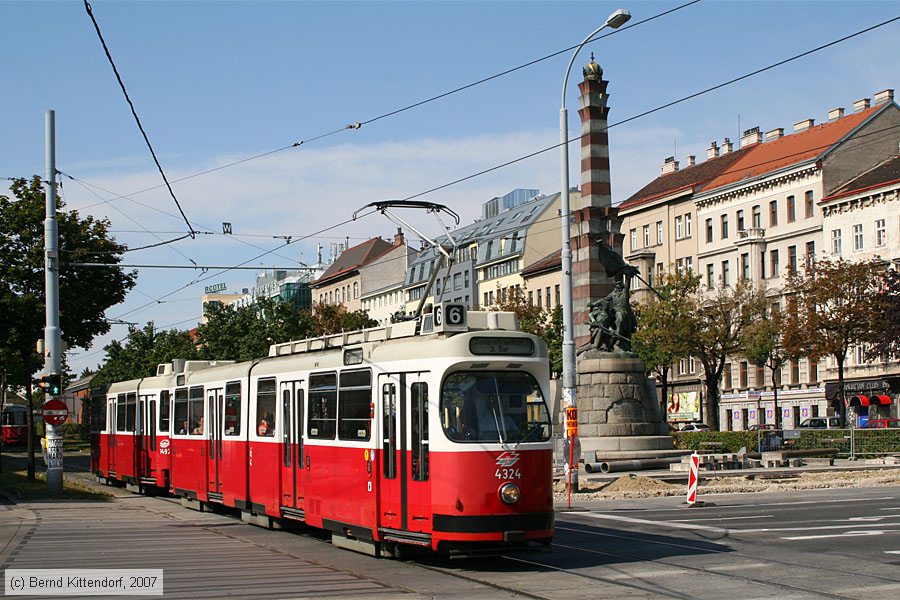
x,y
418,434
14,427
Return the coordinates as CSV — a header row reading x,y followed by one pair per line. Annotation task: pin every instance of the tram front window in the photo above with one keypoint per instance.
x,y
494,406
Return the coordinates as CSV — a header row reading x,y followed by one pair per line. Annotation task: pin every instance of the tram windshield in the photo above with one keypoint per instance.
x,y
494,406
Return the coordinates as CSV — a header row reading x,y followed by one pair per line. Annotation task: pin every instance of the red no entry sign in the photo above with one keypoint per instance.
x,y
55,412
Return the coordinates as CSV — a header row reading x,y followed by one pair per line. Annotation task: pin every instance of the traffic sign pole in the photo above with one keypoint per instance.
x,y
52,334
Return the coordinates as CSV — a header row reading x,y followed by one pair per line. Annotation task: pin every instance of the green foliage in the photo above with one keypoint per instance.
x,y
335,318
731,441
143,350
554,337
885,321
85,293
536,321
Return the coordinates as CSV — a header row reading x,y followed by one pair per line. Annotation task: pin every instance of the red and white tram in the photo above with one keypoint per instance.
x,y
420,433
14,428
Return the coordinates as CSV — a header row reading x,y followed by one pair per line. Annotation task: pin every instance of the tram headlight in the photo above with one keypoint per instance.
x,y
510,493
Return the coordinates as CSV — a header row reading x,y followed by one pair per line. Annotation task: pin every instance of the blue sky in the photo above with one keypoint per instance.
x,y
217,81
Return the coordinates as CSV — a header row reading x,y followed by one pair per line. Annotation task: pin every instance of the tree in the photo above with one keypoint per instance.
x,y
143,350
246,332
335,318
837,308
536,321
553,336
664,327
721,318
85,293
764,347
885,316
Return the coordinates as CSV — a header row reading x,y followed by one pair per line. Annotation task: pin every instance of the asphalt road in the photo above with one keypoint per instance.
x,y
842,543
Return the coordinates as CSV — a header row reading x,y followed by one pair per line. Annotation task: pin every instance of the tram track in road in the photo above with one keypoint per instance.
x,y
831,569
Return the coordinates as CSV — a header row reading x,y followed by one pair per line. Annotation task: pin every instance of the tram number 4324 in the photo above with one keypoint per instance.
x,y
508,474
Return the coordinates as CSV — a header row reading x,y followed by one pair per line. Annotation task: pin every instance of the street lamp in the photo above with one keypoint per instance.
x,y
615,20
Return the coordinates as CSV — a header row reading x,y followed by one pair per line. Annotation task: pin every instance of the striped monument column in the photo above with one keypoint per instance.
x,y
595,219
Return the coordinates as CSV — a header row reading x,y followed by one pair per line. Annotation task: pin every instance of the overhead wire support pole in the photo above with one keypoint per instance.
x,y
52,333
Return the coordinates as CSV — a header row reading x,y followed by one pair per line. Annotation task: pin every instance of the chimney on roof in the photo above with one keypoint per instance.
x,y
861,104
774,134
670,165
692,160
884,96
712,151
835,113
804,125
750,137
398,237
727,146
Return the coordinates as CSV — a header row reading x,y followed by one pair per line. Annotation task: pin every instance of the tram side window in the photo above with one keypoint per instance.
x,y
286,430
265,407
322,406
98,413
182,424
164,411
233,408
120,412
195,410
420,431
130,411
355,405
389,408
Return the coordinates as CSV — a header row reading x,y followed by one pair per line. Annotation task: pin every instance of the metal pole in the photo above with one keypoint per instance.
x,y
615,20
52,335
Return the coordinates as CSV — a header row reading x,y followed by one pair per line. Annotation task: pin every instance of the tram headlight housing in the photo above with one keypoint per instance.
x,y
510,493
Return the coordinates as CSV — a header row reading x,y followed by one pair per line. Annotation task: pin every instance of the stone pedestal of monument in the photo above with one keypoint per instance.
x,y
618,411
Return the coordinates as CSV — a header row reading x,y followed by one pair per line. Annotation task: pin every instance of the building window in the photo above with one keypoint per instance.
x,y
689,264
760,377
660,269
813,370
757,217
646,236
710,275
773,213
879,232
792,259
682,366
795,371
687,225
836,241
860,355
745,266
540,300
810,253
809,204
709,231
679,228
634,239
355,290
466,279
726,377
530,298
724,227
556,291
762,264
726,276
858,237
659,232
774,267
740,220
548,296
487,304
742,374
791,209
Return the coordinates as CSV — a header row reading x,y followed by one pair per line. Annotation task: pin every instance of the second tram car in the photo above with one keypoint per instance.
x,y
14,428
418,433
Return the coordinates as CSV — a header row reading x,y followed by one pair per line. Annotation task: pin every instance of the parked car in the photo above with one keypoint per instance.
x,y
762,427
884,424
821,423
695,427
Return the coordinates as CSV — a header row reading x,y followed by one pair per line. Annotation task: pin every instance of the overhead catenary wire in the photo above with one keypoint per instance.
x,y
358,124
137,119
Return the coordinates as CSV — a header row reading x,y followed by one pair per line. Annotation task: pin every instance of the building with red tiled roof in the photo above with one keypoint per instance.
x,y
542,281
341,282
762,217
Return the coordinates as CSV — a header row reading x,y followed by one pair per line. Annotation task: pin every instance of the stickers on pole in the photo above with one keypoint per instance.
x,y
692,479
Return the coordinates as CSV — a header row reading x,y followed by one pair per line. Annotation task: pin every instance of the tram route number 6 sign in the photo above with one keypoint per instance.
x,y
449,317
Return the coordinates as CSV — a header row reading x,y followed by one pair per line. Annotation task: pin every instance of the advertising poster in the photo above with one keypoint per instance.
x,y
683,406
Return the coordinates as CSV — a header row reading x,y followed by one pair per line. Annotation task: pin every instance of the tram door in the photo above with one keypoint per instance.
x,y
404,489
111,439
145,434
212,431
292,456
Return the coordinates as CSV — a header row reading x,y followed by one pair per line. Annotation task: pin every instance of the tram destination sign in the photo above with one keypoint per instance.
x,y
509,346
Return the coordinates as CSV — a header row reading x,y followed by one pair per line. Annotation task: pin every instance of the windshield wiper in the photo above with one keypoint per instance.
x,y
531,430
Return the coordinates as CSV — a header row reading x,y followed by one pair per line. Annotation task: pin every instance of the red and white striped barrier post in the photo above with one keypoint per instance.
x,y
693,476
